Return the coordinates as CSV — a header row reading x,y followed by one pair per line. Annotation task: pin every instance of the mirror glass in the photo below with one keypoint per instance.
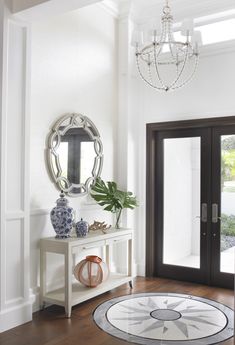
x,y
75,154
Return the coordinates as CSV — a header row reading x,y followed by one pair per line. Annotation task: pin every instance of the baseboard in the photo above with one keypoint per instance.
x,y
15,316
34,295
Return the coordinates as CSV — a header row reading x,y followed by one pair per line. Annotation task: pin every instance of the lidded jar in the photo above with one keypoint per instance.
x,y
62,217
82,228
91,271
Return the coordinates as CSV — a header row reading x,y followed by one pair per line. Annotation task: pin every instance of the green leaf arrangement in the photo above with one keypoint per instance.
x,y
112,198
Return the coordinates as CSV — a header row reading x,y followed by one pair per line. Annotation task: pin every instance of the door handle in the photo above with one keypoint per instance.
x,y
203,216
204,213
215,210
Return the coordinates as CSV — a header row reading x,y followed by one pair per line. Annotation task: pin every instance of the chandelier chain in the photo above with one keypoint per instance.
x,y
157,70
166,8
143,77
182,69
190,77
150,74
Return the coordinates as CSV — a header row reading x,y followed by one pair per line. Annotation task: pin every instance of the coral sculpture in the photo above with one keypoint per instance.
x,y
99,226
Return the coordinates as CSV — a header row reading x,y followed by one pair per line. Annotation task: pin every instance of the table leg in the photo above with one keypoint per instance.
x,y
42,278
129,257
107,256
130,263
68,283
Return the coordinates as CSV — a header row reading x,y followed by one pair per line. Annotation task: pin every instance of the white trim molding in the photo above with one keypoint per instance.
x,y
46,211
36,10
140,269
110,7
141,13
217,48
15,316
119,9
15,306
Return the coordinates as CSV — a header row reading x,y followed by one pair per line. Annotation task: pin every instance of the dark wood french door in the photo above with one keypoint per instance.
x,y
223,206
191,201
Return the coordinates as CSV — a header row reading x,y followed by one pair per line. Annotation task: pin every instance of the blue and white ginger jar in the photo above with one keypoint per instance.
x,y
82,228
62,217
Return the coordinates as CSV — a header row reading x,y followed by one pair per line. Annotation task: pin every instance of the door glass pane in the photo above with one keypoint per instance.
x,y
182,185
227,238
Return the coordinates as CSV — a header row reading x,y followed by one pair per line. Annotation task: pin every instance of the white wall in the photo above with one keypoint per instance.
x,y
74,69
210,94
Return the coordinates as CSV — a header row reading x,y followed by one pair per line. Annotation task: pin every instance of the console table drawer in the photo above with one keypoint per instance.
x,y
91,245
118,239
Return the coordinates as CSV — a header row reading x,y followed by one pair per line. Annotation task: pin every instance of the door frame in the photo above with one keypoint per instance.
x,y
151,184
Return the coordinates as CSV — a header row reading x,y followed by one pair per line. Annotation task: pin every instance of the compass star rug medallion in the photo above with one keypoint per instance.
x,y
165,318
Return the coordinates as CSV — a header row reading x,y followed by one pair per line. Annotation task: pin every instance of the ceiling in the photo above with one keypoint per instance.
x,y
142,10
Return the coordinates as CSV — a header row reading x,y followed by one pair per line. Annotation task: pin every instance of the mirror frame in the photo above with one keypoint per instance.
x,y
53,142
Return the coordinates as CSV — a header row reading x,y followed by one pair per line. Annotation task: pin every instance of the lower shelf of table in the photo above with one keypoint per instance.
x,y
81,293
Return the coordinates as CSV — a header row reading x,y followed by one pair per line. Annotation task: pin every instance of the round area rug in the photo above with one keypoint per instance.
x,y
165,318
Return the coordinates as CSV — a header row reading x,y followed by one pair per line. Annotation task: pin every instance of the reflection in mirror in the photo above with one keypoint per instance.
x,y
75,154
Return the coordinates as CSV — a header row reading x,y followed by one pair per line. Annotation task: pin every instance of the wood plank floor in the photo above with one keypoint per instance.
x,y
49,327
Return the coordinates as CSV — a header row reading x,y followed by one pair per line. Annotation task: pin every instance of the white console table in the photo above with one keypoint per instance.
x,y
73,292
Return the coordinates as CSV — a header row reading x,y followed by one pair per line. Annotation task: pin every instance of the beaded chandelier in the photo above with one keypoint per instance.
x,y
164,62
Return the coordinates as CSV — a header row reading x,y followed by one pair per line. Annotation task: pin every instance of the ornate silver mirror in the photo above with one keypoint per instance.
x,y
74,154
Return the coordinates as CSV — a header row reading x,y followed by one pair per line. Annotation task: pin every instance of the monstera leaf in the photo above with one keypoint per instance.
x,y
111,198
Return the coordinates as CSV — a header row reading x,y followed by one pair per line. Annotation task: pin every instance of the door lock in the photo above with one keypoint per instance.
x,y
215,212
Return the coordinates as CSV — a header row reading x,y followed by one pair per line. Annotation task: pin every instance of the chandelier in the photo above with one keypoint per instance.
x,y
167,63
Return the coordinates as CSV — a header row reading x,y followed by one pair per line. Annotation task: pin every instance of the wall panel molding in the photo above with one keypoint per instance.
x,y
46,211
15,306
3,90
14,302
14,215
